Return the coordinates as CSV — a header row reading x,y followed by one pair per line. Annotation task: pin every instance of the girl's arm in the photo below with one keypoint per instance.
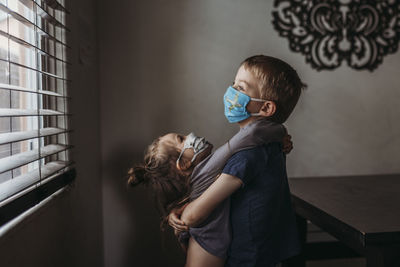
x,y
174,218
287,144
199,209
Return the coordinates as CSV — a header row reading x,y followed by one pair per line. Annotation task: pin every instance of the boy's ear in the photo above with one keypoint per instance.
x,y
183,164
268,109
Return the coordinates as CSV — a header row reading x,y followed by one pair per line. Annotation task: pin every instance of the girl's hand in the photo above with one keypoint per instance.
x,y
177,232
287,144
174,220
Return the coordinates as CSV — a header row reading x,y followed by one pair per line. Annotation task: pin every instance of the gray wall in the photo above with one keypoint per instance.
x,y
68,231
164,67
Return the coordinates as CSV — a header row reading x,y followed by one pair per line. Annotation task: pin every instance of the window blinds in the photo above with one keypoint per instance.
x,y
34,83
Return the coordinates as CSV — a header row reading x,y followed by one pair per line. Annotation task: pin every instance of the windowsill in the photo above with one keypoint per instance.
x,y
16,208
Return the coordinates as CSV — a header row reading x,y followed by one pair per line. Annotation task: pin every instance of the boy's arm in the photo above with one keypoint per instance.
x,y
199,209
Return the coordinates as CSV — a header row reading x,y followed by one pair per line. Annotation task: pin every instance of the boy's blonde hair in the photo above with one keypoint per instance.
x,y
278,82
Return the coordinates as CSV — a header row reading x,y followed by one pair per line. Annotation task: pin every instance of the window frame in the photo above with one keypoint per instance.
x,y
44,24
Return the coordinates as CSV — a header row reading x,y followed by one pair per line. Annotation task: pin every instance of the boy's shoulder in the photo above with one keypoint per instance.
x,y
252,164
262,127
256,155
264,131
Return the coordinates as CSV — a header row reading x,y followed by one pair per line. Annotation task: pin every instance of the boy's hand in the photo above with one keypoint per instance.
x,y
174,220
287,144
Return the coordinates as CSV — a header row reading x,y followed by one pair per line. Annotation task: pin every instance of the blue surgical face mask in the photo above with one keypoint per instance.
x,y
235,103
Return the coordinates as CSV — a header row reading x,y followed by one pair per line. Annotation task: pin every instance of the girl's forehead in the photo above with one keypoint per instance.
x,y
167,137
169,141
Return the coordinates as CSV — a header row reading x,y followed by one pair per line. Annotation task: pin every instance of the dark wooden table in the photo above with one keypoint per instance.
x,y
362,212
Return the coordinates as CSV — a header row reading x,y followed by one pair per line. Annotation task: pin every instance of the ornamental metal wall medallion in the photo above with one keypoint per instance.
x,y
360,32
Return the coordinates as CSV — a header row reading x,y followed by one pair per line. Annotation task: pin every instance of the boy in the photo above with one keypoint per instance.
x,y
262,220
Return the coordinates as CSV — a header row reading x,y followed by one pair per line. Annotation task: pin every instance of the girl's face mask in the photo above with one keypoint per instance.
x,y
198,144
235,103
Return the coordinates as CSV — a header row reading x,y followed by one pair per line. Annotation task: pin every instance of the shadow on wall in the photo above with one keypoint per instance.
x,y
134,111
137,238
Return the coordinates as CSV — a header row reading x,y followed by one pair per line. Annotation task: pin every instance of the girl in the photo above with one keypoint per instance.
x,y
180,168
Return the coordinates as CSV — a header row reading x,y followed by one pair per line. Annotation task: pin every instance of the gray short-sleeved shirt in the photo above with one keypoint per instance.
x,y
214,234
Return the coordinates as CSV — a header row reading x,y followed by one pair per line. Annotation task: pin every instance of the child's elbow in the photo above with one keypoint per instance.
x,y
191,219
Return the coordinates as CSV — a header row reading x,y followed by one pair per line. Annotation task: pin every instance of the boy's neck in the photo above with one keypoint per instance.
x,y
247,121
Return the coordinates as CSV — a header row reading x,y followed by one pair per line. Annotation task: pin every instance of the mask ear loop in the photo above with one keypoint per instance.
x,y
257,100
180,156
178,165
185,146
194,155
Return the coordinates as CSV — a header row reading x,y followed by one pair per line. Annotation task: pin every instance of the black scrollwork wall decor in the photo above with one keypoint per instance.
x,y
328,32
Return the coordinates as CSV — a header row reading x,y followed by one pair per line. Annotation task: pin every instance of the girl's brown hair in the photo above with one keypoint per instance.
x,y
170,186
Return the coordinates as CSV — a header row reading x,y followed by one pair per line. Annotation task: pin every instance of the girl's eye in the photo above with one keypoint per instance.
x,y
180,138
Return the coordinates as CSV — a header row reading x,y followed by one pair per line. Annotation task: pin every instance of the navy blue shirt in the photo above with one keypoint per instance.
x,y
263,222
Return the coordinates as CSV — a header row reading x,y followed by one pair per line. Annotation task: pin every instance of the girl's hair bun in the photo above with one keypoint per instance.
x,y
136,175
